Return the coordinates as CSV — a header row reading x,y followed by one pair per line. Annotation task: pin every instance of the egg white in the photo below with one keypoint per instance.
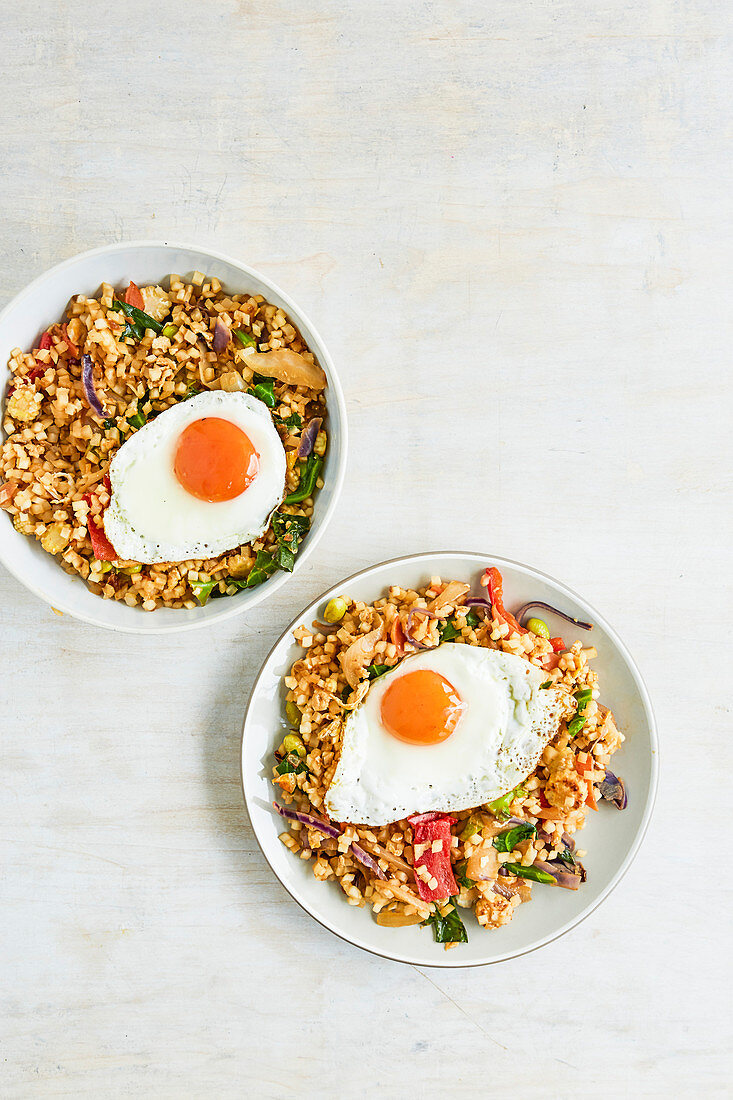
x,y
497,743
152,518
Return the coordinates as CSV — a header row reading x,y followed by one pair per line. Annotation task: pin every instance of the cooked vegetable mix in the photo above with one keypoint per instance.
x,y
430,866
113,365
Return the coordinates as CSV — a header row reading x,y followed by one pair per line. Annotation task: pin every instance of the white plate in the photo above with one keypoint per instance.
x,y
611,837
42,303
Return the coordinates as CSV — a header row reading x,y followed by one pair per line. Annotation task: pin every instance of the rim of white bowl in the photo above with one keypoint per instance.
x,y
462,555
336,394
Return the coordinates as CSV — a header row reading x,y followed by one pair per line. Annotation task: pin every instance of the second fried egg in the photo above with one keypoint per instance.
x,y
448,729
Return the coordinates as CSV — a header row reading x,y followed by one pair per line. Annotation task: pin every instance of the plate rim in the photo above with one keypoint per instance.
x,y
630,855
146,626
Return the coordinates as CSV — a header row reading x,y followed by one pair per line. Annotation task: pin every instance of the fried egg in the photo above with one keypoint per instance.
x,y
200,479
448,729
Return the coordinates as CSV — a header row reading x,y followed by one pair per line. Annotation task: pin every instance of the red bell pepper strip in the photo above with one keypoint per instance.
x,y
426,830
102,547
495,586
557,644
133,297
45,343
69,343
431,815
582,767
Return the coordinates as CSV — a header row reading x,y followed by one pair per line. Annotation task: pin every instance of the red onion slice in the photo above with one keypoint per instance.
x,y
613,789
503,890
518,615
308,438
408,626
567,879
478,601
330,830
368,860
222,336
88,384
309,820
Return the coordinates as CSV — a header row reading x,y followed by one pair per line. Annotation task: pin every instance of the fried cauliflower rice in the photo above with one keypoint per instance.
x,y
57,448
376,867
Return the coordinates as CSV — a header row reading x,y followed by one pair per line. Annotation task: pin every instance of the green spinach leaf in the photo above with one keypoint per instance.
x,y
448,929
448,631
530,872
309,471
461,878
137,320
507,841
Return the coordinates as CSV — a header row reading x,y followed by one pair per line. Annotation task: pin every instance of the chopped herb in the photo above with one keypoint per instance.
x,y
500,806
375,671
507,841
567,857
472,619
547,684
582,699
291,765
448,631
202,590
448,929
461,878
109,423
137,321
530,872
345,693
191,391
244,338
309,471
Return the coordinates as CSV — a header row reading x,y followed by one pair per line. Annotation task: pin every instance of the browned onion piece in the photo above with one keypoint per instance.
x,y
289,367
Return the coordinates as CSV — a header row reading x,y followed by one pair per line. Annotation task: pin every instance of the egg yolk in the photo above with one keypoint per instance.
x,y
215,460
421,708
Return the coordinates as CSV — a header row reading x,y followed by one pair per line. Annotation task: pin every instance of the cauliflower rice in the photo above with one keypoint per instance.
x,y
57,450
555,798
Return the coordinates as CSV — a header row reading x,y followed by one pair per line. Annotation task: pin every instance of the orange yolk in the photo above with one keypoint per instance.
x,y
421,708
215,460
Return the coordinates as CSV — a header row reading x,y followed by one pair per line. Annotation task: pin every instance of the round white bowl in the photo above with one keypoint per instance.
x,y
611,837
42,303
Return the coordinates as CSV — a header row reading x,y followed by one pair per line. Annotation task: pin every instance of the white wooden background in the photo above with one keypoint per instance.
x,y
511,222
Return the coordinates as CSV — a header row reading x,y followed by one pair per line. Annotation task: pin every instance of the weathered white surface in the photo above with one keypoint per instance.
x,y
511,223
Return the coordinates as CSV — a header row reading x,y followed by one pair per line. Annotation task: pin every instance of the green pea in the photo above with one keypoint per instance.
x,y
538,627
292,743
130,570
335,610
170,331
293,714
102,566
